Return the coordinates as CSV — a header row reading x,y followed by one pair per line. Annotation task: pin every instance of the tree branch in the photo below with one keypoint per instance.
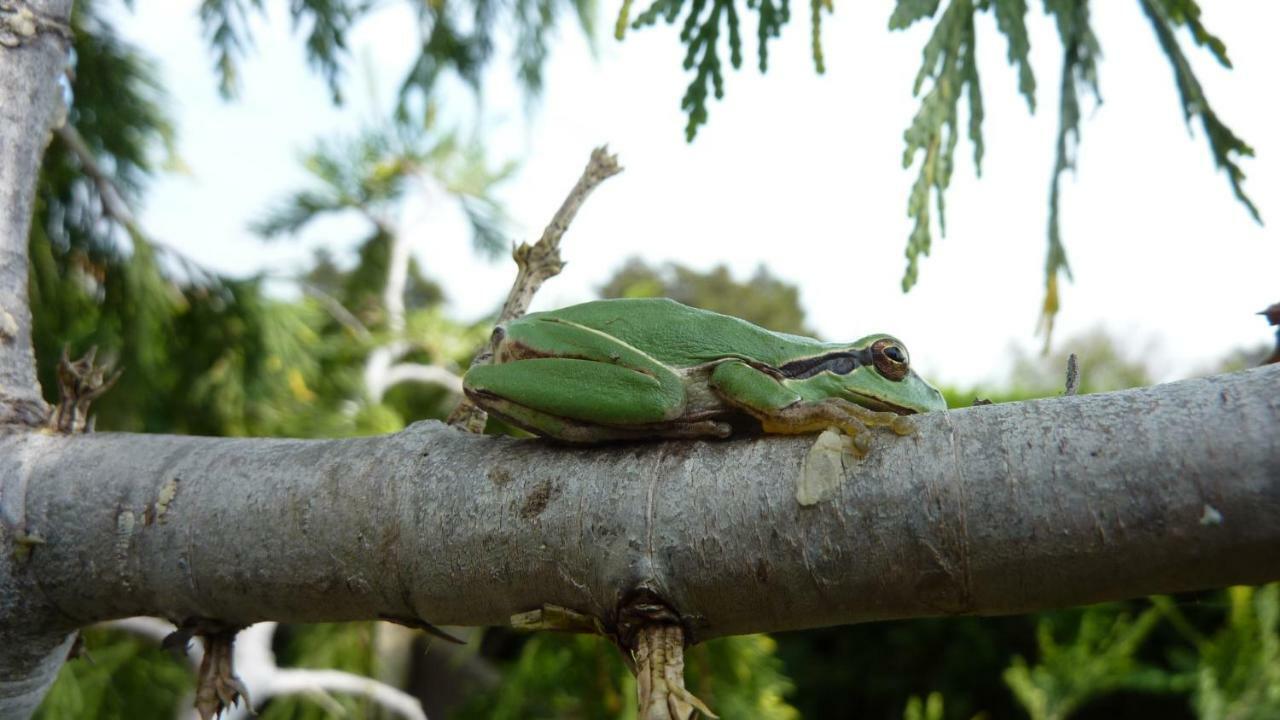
x,y
991,510
113,205
33,50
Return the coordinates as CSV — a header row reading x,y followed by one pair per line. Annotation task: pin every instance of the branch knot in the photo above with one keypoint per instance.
x,y
79,384
20,23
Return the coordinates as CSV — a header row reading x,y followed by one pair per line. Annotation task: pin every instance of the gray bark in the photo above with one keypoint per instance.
x,y
999,509
33,50
32,56
989,510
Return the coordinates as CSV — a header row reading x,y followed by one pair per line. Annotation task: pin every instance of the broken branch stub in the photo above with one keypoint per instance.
x,y
79,384
651,637
659,661
217,686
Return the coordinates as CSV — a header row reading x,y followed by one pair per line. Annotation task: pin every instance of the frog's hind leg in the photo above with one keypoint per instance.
x,y
581,400
573,431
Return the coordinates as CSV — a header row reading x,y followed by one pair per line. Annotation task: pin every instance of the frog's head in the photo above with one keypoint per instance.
x,y
874,372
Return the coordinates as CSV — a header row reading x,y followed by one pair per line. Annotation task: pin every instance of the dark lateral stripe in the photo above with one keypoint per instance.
x,y
840,363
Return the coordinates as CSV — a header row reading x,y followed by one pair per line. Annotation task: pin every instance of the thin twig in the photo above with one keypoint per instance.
x,y
437,375
1272,313
336,310
537,263
113,203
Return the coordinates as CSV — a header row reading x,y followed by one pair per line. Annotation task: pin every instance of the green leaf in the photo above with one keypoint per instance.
x,y
773,15
929,709
225,24
1080,51
1099,656
815,32
950,68
1237,671
1011,20
908,12
1187,13
117,671
702,37
701,29
326,38
1224,145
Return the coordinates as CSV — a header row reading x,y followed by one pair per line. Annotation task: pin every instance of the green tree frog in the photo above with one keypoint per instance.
x,y
653,368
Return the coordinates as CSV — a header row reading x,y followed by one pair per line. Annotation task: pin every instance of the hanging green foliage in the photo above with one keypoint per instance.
x,y
455,38
949,74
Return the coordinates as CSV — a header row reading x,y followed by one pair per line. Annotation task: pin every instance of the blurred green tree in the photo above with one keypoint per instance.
x,y
580,676
1106,363
385,299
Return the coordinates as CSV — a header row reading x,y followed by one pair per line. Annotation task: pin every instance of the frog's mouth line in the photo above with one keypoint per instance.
x,y
873,403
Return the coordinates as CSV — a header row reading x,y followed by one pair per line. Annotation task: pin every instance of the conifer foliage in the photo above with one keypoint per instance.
x,y
949,75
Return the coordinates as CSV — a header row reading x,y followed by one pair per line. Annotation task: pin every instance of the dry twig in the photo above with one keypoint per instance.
x,y
536,264
1073,374
79,384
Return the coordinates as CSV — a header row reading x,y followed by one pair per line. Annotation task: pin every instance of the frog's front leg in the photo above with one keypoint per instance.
x,y
784,411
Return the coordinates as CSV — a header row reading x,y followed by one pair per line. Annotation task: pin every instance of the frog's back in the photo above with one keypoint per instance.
x,y
681,335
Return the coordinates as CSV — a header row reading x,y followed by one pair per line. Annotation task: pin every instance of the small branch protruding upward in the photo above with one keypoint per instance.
x,y
536,264
1073,374
34,39
1272,314
79,384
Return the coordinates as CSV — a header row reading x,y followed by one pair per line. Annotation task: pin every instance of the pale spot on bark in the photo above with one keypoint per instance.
x,y
8,326
125,522
167,493
823,468
1211,516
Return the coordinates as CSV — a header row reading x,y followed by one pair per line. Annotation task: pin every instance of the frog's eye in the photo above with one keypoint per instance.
x,y
890,358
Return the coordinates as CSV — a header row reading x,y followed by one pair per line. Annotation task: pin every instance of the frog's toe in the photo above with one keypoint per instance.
x,y
686,430
861,443
902,425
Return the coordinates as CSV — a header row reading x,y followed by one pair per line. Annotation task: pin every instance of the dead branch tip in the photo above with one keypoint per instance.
x,y
1073,374
535,265
80,382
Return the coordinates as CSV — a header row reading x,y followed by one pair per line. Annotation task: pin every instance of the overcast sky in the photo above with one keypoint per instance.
x,y
797,172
